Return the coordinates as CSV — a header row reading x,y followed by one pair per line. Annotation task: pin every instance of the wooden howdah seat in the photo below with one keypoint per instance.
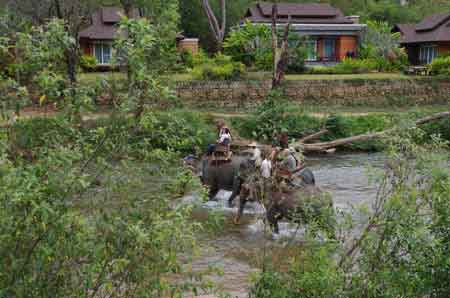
x,y
221,153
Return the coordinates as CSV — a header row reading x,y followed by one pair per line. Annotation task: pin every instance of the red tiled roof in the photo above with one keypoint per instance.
x,y
434,28
300,13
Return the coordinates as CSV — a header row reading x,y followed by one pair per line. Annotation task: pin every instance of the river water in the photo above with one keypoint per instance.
x,y
237,249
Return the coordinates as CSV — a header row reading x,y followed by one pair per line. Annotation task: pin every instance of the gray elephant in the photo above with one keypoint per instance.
x,y
226,175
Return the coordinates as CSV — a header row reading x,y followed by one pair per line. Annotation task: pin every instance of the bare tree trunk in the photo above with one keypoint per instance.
x,y
274,43
280,56
217,30
128,8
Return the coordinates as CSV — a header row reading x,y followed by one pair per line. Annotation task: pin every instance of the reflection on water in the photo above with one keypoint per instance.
x,y
345,177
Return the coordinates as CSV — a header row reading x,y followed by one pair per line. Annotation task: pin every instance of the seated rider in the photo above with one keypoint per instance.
x,y
290,162
225,137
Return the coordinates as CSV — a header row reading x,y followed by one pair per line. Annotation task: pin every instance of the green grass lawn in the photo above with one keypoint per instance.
x,y
182,77
365,76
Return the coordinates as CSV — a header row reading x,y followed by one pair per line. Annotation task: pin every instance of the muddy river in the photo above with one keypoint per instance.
x,y
235,250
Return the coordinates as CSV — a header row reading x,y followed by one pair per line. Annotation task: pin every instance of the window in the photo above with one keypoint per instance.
x,y
427,53
102,53
311,50
329,49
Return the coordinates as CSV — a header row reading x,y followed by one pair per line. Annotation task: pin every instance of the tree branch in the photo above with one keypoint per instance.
x,y
217,30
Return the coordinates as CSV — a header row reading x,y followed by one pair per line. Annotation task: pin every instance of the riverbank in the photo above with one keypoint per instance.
x,y
298,121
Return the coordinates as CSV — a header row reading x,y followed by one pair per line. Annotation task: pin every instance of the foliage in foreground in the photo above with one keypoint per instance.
x,y
88,210
400,251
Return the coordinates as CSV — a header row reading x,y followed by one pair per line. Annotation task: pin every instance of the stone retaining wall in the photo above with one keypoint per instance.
x,y
354,92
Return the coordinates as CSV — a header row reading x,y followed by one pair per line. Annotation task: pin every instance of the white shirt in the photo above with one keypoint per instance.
x,y
266,168
224,136
257,157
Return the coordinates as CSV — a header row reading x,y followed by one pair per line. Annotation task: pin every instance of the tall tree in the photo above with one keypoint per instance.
x,y
280,55
75,14
218,29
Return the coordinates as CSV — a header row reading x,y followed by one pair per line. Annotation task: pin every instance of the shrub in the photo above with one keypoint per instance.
x,y
343,127
32,138
348,66
297,57
13,97
272,117
249,45
51,85
440,66
180,131
220,68
187,58
383,46
88,63
264,60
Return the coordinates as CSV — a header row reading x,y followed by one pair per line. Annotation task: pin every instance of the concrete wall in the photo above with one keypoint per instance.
x,y
333,92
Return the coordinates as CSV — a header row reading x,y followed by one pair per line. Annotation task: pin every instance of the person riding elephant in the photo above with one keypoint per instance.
x,y
304,205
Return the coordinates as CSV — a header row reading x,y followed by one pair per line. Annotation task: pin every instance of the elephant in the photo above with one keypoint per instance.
x,y
225,175
302,202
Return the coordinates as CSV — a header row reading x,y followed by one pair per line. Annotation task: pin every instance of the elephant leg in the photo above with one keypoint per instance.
x,y
236,190
273,216
213,188
242,202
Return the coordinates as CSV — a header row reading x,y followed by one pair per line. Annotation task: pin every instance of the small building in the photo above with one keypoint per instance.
x,y
331,36
97,39
426,40
187,44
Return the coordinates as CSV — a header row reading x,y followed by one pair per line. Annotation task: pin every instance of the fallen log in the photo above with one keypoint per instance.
x,y
323,146
314,136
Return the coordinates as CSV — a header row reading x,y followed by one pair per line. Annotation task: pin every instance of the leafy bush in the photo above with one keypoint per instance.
x,y
440,66
297,56
250,44
273,117
88,63
344,126
121,239
38,135
348,66
220,68
12,97
51,85
187,58
383,46
180,131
